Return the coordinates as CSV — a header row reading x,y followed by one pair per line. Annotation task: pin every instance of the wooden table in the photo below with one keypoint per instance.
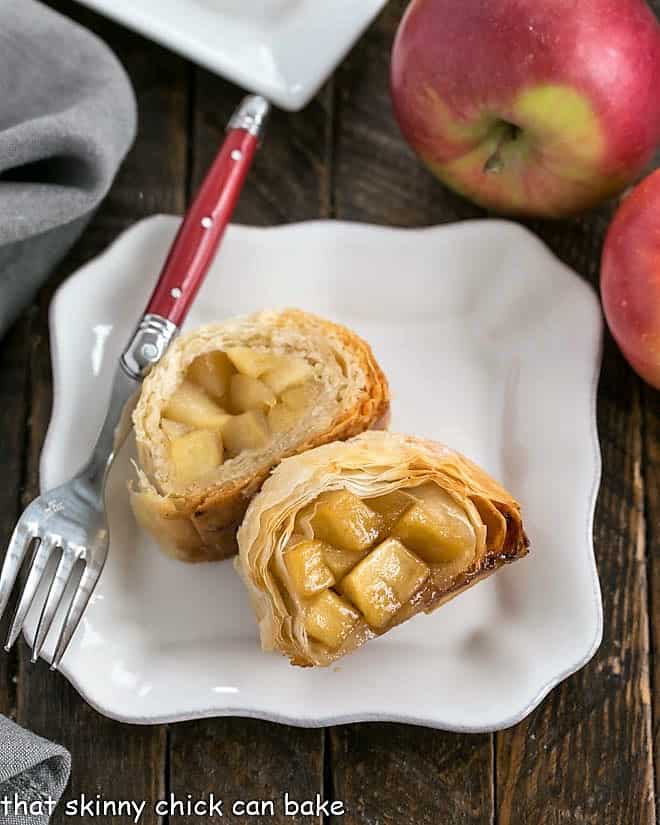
x,y
587,754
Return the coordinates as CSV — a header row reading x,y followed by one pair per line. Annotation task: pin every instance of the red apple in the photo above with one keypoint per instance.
x,y
630,278
541,107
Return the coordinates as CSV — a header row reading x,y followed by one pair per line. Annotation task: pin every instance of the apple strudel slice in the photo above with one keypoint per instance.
x,y
226,404
350,539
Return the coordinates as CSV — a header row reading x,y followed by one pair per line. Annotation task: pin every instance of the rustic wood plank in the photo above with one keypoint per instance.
x,y
116,761
14,359
651,476
291,176
396,773
289,181
387,773
244,761
651,464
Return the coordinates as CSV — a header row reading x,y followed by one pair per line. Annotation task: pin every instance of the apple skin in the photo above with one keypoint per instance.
x,y
538,107
630,278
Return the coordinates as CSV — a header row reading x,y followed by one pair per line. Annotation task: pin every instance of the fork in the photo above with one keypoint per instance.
x,y
68,525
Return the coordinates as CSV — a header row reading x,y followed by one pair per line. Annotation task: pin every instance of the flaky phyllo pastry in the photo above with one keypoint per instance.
x,y
350,539
226,404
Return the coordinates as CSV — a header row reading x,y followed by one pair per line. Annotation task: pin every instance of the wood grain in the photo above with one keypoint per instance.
x,y
14,361
651,465
389,774
245,760
651,476
291,176
114,760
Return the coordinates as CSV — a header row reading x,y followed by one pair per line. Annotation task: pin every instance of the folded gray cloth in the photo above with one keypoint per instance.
x,y
67,118
33,775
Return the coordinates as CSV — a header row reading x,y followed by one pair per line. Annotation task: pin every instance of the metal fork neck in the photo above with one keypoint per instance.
x,y
147,346
152,337
251,115
116,426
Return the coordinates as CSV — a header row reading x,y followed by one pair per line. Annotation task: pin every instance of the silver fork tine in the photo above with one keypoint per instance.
x,y
56,590
76,609
19,543
43,554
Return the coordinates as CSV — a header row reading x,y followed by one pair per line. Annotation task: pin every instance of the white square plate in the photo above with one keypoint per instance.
x,y
490,344
282,49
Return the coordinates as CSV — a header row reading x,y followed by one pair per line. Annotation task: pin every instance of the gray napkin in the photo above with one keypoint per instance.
x,y
67,118
33,775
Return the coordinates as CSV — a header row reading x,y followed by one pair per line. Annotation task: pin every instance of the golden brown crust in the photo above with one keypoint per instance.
x,y
199,524
370,464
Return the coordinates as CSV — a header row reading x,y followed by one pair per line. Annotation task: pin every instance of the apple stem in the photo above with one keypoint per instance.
x,y
495,163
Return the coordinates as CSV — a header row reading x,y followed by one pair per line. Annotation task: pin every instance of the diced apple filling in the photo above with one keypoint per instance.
x,y
295,371
191,405
330,619
341,561
384,581
297,398
282,418
245,396
307,567
391,507
435,527
250,394
248,431
212,372
174,429
253,362
343,519
377,553
195,454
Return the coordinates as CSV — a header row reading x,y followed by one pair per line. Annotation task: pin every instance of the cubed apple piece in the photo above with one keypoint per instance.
x,y
248,431
391,507
282,418
330,619
384,581
297,398
250,394
435,527
212,372
191,405
342,519
291,373
340,561
307,568
174,429
195,455
253,362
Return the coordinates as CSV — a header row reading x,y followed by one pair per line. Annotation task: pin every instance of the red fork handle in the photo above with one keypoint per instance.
x,y
204,225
